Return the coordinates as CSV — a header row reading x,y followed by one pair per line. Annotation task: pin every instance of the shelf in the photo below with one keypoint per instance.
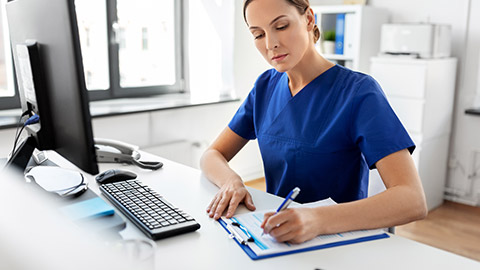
x,y
338,57
337,9
361,32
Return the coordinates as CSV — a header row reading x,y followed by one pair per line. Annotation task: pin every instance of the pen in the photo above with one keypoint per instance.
x,y
290,197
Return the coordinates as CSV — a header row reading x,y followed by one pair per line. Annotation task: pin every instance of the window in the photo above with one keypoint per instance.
x,y
155,20
8,95
92,29
4,91
129,48
144,55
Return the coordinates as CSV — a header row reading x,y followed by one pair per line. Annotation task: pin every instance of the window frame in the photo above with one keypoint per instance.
x,y
115,90
11,102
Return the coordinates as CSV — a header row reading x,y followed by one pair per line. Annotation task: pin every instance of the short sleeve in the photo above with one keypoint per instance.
x,y
377,131
242,122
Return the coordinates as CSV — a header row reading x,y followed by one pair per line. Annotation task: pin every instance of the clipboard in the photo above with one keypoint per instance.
x,y
250,247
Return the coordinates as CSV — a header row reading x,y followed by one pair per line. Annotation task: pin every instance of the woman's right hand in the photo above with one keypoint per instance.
x,y
230,195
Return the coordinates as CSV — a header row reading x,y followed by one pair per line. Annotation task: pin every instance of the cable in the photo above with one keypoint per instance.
x,y
15,138
150,165
32,120
19,122
69,190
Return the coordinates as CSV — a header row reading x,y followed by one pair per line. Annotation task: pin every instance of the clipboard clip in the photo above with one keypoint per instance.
x,y
235,234
244,230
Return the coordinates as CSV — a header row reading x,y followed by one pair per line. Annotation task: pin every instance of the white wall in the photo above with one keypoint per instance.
x,y
464,180
248,62
210,53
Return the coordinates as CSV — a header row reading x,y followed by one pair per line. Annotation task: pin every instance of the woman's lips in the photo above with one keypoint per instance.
x,y
279,57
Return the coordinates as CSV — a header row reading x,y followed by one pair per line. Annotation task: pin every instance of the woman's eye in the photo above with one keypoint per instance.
x,y
258,36
282,27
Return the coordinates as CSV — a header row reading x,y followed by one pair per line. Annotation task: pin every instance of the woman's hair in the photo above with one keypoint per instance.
x,y
300,5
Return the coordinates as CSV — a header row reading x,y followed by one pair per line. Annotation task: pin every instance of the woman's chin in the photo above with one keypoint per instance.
x,y
280,68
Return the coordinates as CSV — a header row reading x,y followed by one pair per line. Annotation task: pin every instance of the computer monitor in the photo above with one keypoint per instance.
x,y
44,38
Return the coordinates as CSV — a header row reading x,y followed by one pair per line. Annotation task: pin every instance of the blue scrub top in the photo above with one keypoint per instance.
x,y
325,138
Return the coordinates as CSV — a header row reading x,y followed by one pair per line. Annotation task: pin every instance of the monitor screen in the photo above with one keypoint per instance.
x,y
59,95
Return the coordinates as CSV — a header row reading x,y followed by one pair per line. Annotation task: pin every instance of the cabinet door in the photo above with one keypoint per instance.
x,y
401,79
410,112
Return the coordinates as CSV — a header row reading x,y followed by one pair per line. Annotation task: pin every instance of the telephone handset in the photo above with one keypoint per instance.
x,y
112,151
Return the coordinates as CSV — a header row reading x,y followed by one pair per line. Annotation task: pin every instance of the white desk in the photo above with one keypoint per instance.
x,y
210,248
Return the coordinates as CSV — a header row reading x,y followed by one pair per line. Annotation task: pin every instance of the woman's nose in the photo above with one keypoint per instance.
x,y
272,42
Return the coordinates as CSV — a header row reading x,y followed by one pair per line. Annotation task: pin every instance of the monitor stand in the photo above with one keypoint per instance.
x,y
20,158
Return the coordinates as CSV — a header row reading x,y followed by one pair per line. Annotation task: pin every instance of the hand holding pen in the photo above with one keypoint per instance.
x,y
290,197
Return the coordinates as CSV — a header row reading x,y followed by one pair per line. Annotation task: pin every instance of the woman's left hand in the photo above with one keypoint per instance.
x,y
294,225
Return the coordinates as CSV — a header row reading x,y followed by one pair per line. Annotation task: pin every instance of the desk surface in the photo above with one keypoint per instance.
x,y
210,248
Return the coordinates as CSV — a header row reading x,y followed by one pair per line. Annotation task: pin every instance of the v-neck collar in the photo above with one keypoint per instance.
x,y
282,98
308,85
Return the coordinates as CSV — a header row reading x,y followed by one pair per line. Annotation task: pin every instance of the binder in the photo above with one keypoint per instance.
x,y
262,247
339,33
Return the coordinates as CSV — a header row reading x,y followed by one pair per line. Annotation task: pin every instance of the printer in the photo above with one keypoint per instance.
x,y
422,40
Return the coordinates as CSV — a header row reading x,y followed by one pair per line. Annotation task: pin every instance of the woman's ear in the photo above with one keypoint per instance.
x,y
310,16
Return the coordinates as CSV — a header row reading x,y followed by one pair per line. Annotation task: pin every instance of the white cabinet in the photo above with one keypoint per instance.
x,y
361,32
421,92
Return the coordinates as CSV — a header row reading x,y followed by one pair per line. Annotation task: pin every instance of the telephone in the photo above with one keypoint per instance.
x,y
112,151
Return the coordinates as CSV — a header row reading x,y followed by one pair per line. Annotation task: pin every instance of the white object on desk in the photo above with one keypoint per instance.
x,y
57,180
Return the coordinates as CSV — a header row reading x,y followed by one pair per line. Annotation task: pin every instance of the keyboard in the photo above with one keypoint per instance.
x,y
149,211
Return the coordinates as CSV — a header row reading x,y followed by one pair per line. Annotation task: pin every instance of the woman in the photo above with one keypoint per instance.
x,y
320,127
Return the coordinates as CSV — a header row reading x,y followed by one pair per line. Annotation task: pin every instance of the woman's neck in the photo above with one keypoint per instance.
x,y
309,68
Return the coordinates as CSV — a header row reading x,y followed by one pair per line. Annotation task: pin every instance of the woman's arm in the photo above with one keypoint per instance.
x,y
214,164
402,202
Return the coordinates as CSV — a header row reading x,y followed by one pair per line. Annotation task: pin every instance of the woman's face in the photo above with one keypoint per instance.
x,y
280,32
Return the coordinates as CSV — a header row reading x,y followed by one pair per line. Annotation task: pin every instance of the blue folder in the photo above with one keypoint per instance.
x,y
339,33
254,256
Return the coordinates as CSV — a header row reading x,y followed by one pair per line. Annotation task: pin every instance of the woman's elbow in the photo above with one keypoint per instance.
x,y
204,159
419,208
